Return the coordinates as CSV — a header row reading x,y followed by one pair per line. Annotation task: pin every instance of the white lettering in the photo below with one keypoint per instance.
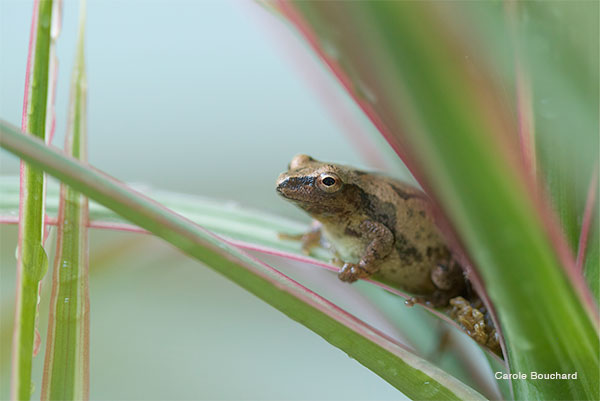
x,y
553,376
508,376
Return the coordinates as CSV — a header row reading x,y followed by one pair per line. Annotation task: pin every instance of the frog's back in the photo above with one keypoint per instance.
x,y
392,202
418,244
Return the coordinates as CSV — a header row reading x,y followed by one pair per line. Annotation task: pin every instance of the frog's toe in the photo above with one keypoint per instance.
x,y
337,262
474,324
412,301
311,240
350,272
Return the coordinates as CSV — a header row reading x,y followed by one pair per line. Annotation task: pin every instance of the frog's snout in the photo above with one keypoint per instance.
x,y
282,184
294,187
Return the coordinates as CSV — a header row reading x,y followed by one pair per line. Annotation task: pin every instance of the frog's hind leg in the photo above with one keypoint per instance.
x,y
449,281
437,299
474,318
449,276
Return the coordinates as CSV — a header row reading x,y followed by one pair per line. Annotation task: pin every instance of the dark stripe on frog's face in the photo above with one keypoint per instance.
x,y
296,188
295,183
290,185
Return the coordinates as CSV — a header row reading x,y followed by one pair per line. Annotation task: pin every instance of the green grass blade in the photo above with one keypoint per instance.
x,y
412,375
435,105
32,261
66,366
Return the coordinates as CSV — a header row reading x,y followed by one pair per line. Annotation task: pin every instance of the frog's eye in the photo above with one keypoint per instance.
x,y
329,182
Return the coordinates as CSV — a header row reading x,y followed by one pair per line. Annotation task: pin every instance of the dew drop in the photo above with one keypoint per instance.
x,y
330,49
547,108
365,92
45,22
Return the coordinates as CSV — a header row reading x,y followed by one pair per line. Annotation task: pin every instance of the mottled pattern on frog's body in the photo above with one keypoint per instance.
x,y
376,224
418,247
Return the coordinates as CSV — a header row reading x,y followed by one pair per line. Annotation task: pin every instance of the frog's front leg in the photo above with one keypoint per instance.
x,y
381,242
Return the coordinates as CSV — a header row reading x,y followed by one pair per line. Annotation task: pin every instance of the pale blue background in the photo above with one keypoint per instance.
x,y
189,88
192,96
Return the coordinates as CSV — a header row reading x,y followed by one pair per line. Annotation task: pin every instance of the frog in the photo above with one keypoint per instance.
x,y
378,227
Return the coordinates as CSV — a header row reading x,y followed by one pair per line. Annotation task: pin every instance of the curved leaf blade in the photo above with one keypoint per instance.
x,y
412,375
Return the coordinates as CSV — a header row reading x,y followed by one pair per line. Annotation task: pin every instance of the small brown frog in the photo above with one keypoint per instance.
x,y
377,225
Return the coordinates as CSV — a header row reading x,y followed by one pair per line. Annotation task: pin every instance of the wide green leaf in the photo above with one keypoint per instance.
x,y
427,89
557,95
565,99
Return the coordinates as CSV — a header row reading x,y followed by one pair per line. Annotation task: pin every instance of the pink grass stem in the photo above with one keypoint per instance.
x,y
525,116
587,220
30,56
523,96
